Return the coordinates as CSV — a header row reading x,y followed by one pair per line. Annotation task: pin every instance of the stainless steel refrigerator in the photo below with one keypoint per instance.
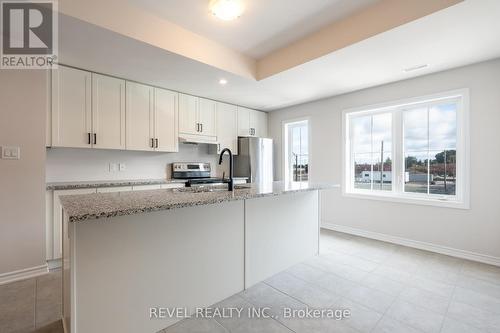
x,y
254,159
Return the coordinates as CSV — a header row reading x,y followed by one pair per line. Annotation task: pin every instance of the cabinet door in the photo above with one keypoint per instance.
x,y
243,121
188,114
139,117
227,127
166,114
71,108
58,218
258,123
207,117
108,112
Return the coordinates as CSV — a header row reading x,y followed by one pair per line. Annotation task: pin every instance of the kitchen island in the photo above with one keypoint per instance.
x,y
127,252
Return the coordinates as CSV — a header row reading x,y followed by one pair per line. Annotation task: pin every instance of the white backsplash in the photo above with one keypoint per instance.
x,y
68,164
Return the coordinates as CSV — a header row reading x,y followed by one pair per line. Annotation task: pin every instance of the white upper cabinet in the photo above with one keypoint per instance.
x,y
108,112
252,122
227,127
207,116
243,121
258,122
197,118
139,117
71,108
98,111
91,110
166,119
188,114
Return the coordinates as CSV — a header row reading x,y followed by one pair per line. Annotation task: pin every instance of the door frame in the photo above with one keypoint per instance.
x,y
284,144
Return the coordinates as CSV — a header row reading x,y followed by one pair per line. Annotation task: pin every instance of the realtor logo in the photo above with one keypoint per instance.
x,y
29,34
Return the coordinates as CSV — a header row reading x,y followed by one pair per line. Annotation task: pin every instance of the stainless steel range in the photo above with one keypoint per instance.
x,y
195,174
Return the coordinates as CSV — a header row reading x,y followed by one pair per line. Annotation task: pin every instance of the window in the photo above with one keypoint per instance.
x,y
296,135
413,151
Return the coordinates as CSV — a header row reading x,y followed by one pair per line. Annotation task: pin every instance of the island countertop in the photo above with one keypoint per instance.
x,y
84,207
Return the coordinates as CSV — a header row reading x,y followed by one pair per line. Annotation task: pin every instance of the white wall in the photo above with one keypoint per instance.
x,y
476,230
66,164
23,96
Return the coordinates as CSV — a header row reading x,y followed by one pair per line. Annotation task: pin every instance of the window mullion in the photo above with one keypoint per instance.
x,y
428,152
371,154
398,154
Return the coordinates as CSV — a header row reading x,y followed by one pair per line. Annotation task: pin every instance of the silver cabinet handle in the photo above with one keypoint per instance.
x,y
201,126
152,142
156,140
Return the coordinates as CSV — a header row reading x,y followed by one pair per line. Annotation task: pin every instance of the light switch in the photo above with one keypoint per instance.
x,y
113,167
11,153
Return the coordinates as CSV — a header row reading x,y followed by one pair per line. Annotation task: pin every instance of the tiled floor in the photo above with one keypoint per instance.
x,y
386,288
32,305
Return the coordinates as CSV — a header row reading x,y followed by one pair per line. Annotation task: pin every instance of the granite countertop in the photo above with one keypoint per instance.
x,y
108,183
113,183
84,207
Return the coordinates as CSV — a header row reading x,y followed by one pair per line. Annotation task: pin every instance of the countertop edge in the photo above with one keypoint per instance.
x,y
60,186
124,212
54,186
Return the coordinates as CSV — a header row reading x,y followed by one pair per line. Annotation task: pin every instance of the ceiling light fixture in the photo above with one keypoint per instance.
x,y
223,82
415,68
227,10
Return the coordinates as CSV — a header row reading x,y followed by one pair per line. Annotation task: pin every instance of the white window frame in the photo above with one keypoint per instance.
x,y
285,143
462,198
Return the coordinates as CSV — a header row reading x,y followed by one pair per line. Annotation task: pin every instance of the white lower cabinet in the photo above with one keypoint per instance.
x,y
54,213
54,224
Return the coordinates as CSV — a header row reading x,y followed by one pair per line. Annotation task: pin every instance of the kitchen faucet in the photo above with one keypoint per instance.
x,y
230,184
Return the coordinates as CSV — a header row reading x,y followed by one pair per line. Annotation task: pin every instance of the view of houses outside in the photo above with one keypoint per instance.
x,y
429,149
298,154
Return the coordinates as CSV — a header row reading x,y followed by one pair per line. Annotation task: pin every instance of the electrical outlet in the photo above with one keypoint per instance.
x,y
113,167
122,166
11,153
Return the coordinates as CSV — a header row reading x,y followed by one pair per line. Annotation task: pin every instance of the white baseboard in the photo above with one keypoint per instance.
x,y
23,274
487,259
